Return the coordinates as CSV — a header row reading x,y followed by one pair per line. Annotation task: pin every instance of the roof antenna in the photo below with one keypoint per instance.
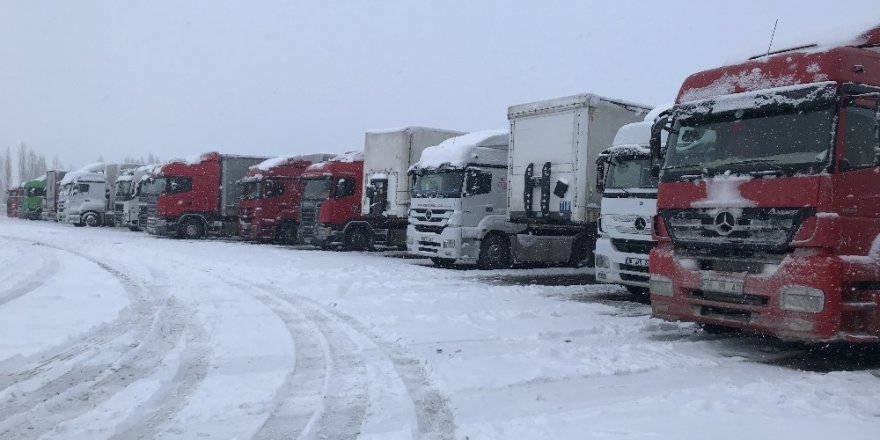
x,y
771,36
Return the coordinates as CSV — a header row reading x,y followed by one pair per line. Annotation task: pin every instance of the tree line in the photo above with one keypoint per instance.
x,y
30,164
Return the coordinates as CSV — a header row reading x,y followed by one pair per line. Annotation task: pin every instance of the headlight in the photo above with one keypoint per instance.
x,y
660,285
602,261
801,299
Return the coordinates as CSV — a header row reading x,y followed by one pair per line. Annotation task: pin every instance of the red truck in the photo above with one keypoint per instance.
x,y
270,198
331,197
198,196
769,196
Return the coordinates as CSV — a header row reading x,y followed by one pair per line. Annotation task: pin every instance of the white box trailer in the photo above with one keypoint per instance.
x,y
385,198
552,190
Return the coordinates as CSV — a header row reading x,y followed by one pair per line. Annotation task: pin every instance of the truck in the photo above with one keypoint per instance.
x,y
270,198
385,197
459,201
50,202
126,210
199,196
34,193
148,192
331,197
85,197
769,196
629,202
552,194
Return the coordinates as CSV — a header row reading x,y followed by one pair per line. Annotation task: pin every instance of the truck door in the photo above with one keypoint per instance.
x,y
478,198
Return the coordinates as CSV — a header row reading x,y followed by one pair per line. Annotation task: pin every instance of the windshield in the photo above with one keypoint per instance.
x,y
632,173
752,139
440,183
317,189
151,186
251,190
123,188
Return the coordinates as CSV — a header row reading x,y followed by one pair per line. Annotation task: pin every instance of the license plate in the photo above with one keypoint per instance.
x,y
723,286
642,262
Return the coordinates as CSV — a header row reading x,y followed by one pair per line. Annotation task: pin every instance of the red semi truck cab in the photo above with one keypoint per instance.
x,y
331,197
198,196
769,196
270,198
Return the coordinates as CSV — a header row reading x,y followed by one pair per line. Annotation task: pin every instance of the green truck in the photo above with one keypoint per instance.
x,y
34,193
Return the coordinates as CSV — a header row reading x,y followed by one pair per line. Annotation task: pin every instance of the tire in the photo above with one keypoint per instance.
x,y
494,252
91,219
442,262
358,239
192,229
133,228
288,234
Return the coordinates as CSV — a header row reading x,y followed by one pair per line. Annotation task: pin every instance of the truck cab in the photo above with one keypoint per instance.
x,y
629,202
331,198
271,196
34,194
84,196
126,205
769,196
459,201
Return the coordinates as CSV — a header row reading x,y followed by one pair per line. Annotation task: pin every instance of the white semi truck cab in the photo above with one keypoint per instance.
x,y
629,203
459,201
84,195
125,209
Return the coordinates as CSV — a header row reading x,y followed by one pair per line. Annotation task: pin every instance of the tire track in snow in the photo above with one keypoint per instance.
x,y
47,269
157,324
326,394
434,418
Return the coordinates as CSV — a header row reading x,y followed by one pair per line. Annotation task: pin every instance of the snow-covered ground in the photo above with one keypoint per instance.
x,y
112,334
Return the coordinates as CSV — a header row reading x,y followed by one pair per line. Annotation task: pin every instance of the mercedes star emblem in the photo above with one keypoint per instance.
x,y
641,223
724,222
428,214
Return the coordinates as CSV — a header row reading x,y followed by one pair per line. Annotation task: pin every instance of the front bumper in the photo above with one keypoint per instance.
x,y
449,244
161,226
622,267
758,306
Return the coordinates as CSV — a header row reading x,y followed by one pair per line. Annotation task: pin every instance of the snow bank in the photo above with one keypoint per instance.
x,y
481,147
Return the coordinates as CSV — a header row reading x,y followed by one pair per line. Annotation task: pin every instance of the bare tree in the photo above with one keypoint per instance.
x,y
7,169
22,163
56,163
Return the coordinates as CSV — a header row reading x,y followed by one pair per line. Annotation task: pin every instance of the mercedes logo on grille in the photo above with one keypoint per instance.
x,y
641,223
724,222
428,214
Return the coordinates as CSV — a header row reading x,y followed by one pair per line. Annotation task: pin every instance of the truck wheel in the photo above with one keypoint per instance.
x,y
288,234
192,229
134,228
442,262
358,239
494,252
91,219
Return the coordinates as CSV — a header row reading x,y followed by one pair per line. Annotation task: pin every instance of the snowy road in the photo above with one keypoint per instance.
x,y
113,334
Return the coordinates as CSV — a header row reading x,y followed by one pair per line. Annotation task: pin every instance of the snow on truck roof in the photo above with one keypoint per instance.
x,y
406,129
268,164
487,147
570,102
92,168
820,40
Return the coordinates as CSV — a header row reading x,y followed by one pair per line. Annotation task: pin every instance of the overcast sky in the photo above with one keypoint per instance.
x,y
169,77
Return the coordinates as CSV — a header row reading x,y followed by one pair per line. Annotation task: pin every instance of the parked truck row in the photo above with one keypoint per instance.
x,y
752,202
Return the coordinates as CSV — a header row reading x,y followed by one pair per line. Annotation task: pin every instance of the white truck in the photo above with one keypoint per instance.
x,y
629,203
552,192
385,196
85,197
459,201
125,207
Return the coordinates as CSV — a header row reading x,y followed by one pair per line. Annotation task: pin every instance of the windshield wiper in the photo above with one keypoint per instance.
x,y
769,162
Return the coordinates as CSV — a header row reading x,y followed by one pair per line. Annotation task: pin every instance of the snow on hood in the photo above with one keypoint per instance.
x,y
457,152
723,191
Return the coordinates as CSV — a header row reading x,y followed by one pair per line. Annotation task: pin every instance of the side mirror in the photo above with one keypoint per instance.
x,y
370,191
656,143
600,175
340,188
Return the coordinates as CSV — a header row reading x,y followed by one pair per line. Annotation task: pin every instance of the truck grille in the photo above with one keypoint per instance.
x,y
755,228
429,228
632,246
146,208
310,212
